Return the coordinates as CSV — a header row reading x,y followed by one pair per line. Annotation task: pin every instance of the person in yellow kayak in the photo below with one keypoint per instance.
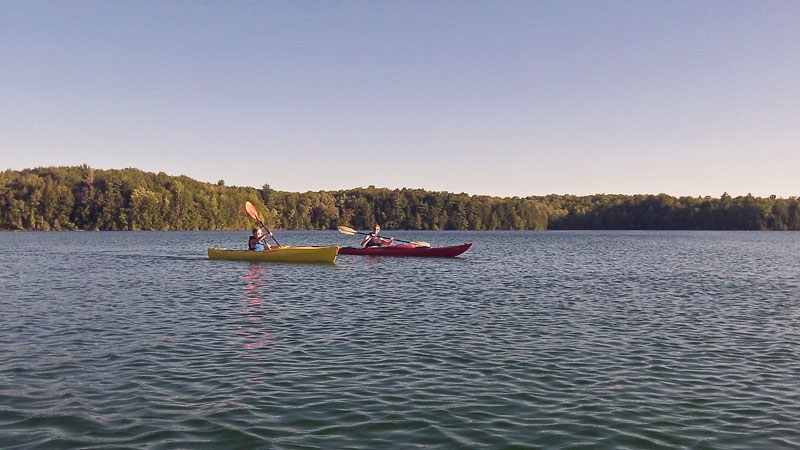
x,y
373,240
258,241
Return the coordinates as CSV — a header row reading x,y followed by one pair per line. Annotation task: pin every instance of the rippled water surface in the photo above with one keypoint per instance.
x,y
530,340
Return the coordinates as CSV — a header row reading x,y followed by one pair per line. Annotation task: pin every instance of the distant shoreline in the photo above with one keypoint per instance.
x,y
83,198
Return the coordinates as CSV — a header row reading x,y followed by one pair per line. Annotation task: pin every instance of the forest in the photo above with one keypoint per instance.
x,y
83,198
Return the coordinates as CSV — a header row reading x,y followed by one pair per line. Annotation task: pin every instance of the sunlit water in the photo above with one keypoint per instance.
x,y
530,339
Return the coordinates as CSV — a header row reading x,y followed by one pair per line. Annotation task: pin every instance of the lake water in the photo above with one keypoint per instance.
x,y
529,340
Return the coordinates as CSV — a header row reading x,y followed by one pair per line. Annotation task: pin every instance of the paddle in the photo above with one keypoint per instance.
x,y
350,231
251,210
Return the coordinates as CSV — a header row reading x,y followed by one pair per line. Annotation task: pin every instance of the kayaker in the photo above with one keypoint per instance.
x,y
373,240
258,241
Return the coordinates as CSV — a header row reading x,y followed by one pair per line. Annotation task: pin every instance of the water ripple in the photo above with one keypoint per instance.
x,y
530,340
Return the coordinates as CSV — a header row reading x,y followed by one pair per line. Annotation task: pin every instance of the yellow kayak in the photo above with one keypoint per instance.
x,y
279,254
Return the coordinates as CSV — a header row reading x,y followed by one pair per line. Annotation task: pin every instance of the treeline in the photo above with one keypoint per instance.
x,y
82,198
664,212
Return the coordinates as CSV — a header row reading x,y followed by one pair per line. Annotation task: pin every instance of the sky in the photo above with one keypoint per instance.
x,y
503,98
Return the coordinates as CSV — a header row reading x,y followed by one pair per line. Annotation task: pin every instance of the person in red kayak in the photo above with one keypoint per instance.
x,y
373,240
258,241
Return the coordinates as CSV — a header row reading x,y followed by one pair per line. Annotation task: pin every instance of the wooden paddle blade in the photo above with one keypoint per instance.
x,y
420,244
346,230
251,210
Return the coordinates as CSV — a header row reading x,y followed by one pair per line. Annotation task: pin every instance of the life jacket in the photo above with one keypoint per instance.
x,y
374,242
254,243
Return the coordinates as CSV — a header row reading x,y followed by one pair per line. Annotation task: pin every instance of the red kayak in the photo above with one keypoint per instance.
x,y
407,250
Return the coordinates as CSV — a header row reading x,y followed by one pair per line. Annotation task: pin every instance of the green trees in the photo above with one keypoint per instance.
x,y
664,212
82,198
71,198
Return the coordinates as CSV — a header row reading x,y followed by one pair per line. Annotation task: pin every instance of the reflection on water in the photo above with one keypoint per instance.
x,y
252,333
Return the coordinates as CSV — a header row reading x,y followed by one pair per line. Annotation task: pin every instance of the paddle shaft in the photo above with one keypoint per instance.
x,y
253,212
349,231
382,237
270,232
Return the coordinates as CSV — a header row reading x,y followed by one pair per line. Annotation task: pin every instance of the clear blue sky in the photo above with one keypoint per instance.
x,y
498,98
